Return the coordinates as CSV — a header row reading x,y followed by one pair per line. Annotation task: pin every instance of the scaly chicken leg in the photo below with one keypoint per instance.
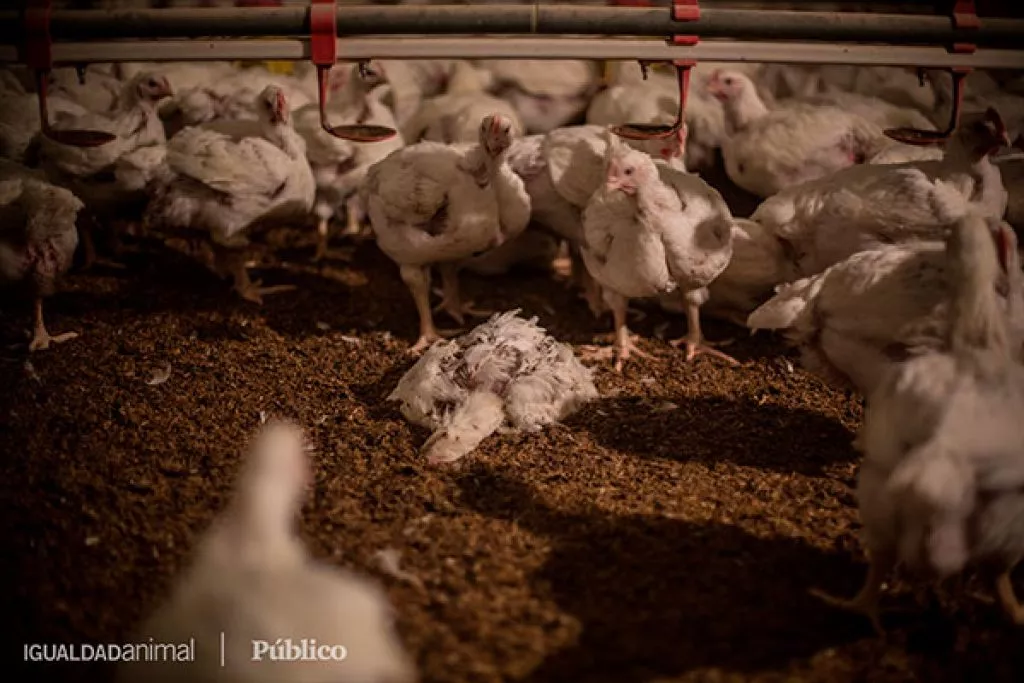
x,y
41,339
694,340
417,279
451,300
624,345
322,238
866,601
1008,598
232,262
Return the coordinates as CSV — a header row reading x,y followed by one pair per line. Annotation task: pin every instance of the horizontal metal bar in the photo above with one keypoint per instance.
x,y
293,21
526,47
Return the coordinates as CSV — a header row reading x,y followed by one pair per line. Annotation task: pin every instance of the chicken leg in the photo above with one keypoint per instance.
x,y
866,601
451,300
624,345
1008,598
232,261
694,339
322,238
41,339
417,279
90,258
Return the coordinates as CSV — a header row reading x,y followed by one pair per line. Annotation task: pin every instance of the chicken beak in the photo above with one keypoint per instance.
x,y
165,89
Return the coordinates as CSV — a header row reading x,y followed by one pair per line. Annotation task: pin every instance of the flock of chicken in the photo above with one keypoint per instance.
x,y
892,267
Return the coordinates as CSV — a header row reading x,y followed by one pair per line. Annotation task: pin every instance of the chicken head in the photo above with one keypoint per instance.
x,y
495,134
983,132
726,85
151,87
276,474
628,169
274,104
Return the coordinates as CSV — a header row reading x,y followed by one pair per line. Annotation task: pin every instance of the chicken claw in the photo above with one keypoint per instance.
x,y
866,601
620,351
458,311
253,292
697,348
41,339
1008,599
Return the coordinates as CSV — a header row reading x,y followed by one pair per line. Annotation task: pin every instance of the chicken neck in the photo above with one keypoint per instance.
x,y
743,110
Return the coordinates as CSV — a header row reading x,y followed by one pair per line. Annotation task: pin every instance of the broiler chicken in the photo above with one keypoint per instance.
x,y
19,118
767,150
647,234
757,266
561,170
546,93
431,203
92,172
227,187
941,486
828,219
37,239
251,579
655,101
339,165
505,372
878,308
455,116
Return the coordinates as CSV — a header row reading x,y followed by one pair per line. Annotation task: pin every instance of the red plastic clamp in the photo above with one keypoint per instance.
x,y
965,16
37,50
685,10
323,32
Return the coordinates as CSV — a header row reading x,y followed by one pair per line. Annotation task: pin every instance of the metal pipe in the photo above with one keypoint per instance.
x,y
292,21
527,48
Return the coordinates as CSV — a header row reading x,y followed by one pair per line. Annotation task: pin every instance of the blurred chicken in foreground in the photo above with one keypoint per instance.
x,y
942,483
252,579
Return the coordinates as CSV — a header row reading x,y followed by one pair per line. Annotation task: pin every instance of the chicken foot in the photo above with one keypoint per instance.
x,y
322,238
417,279
451,299
694,339
624,345
866,601
41,338
1008,598
233,262
90,258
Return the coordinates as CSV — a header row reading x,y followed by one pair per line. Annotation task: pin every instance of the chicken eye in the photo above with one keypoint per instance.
x,y
728,81
629,171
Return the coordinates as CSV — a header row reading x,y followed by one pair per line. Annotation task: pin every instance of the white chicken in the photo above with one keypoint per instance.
x,y
339,165
758,264
656,101
878,308
506,372
92,172
831,218
226,187
645,236
431,203
234,96
19,120
455,116
767,150
941,486
37,239
412,80
546,93
98,92
251,579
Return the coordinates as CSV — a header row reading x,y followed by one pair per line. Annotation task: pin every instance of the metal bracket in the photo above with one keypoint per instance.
x,y
323,33
965,16
37,50
685,10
